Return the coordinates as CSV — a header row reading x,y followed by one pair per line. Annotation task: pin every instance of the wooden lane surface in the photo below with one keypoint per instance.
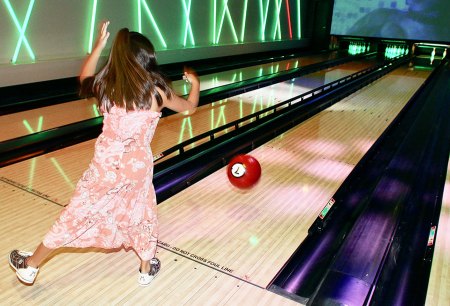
x,y
67,165
31,121
96,277
252,234
438,293
229,233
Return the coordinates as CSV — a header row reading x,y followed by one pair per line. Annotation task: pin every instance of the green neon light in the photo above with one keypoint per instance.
x,y
230,20
277,20
263,16
21,29
95,109
232,24
214,21
28,126
91,32
221,23
187,10
40,122
255,103
212,116
299,32
61,171
221,117
244,19
183,127
241,110
139,16
39,126
155,25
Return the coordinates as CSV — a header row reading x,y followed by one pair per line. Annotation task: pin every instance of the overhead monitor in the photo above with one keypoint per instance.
x,y
415,20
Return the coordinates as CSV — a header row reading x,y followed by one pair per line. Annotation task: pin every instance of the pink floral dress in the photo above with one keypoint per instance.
x,y
114,203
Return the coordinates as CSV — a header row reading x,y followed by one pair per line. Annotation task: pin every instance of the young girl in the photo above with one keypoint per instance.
x,y
114,203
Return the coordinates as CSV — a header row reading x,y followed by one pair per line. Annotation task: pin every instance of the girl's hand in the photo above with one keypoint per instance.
x,y
191,76
103,35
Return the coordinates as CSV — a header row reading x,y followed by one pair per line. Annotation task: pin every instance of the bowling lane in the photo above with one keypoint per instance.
x,y
214,115
36,120
95,277
68,164
250,235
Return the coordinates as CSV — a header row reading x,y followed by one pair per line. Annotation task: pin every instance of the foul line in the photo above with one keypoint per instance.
x,y
161,245
29,190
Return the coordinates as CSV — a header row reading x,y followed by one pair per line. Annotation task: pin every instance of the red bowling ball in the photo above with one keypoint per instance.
x,y
244,171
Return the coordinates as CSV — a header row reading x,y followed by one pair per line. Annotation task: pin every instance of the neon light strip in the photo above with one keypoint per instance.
x,y
139,16
241,111
222,116
187,10
226,11
21,29
155,25
212,116
40,122
214,21
91,34
221,23
263,18
183,127
39,126
232,24
28,126
61,171
95,109
288,10
244,19
298,20
277,22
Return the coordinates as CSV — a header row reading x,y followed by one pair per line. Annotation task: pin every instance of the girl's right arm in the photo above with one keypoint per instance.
x,y
89,66
179,104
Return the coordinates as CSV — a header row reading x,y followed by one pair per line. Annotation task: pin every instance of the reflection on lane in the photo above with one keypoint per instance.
x,y
67,163
220,113
57,115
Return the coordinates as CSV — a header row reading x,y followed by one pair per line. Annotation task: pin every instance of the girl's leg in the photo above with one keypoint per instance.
x,y
145,266
38,256
148,271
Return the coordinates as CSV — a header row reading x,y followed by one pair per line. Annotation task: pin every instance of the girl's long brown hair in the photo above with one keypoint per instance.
x,y
130,77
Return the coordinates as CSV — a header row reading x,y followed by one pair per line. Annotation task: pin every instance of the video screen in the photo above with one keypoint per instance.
x,y
416,20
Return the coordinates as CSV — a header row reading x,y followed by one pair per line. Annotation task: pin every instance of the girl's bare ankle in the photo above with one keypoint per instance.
x,y
145,266
29,262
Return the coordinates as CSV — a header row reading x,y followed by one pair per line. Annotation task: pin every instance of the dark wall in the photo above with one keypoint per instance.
x,y
319,14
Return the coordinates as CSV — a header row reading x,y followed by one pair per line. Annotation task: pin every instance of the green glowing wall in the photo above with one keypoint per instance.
x,y
48,39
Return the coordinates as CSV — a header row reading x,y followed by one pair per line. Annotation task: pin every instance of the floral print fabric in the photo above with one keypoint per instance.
x,y
114,203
